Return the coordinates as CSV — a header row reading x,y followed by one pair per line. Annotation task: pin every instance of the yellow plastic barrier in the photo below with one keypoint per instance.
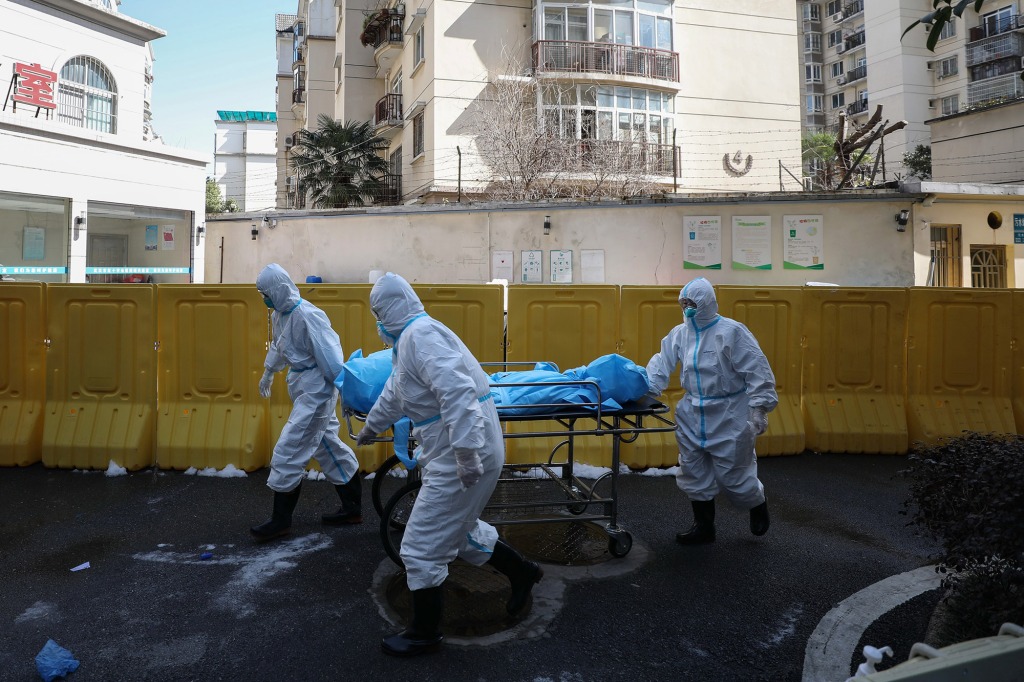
x,y
1018,356
854,374
101,379
476,313
647,314
22,365
958,359
773,314
213,341
570,326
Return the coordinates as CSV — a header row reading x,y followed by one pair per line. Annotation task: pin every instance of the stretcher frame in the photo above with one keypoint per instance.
x,y
562,491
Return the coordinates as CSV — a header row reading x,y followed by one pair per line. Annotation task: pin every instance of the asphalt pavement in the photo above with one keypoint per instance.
x,y
150,607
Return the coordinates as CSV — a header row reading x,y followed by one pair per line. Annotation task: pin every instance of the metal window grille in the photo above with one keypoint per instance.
x,y
946,256
988,267
87,95
417,135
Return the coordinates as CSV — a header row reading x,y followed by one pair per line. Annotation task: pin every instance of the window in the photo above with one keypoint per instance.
x,y
419,50
950,105
838,100
87,95
834,7
948,67
417,135
988,266
835,38
837,69
812,42
644,23
945,265
948,29
609,113
812,73
812,12
998,22
815,103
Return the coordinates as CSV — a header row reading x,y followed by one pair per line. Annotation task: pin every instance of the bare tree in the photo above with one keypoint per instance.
x,y
530,157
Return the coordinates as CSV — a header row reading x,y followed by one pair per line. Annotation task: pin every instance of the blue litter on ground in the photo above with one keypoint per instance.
x,y
55,661
206,555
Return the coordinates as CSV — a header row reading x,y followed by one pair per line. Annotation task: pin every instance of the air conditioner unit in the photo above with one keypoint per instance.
x,y
289,142
841,80
837,17
840,48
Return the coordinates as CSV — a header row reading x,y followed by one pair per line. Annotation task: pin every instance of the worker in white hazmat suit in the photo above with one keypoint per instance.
x,y
304,342
730,389
440,386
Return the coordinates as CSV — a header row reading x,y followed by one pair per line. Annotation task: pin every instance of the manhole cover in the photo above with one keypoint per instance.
x,y
568,543
474,600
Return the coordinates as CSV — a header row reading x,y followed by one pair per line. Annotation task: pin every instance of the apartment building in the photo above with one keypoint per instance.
x,y
703,94
88,193
245,157
853,58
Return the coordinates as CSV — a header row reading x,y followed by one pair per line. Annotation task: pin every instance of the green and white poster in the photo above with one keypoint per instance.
x,y
803,242
752,242
702,242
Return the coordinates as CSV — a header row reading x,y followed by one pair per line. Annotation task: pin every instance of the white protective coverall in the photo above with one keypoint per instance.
x,y
725,375
441,387
304,341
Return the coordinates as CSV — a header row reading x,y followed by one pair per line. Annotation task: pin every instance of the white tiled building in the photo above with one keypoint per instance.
x,y
87,191
245,156
707,88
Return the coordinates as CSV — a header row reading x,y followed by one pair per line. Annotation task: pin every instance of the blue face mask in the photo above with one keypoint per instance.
x,y
385,336
690,312
268,302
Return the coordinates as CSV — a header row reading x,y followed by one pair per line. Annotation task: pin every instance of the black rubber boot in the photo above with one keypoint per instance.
x,y
351,510
702,532
759,520
522,574
281,519
423,636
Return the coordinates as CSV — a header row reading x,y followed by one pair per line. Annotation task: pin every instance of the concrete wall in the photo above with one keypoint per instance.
x,y
640,244
981,146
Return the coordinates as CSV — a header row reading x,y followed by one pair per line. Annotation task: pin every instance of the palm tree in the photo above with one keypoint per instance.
x,y
340,165
819,149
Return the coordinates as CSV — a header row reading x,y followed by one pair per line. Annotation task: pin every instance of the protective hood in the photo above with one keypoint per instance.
x,y
702,293
277,284
394,303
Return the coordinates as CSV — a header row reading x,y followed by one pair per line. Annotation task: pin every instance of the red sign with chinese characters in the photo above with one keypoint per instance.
x,y
35,85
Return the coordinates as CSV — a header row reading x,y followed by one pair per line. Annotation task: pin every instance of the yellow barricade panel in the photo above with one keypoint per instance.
x,y
22,367
647,315
570,326
213,341
476,313
1018,356
773,314
958,360
854,373
101,378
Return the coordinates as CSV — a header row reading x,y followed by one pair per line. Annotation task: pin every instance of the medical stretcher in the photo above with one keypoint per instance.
x,y
534,492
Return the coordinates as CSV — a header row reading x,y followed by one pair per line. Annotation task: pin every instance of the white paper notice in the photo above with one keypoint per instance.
x,y
167,238
533,267
561,267
752,242
501,265
702,242
803,242
592,266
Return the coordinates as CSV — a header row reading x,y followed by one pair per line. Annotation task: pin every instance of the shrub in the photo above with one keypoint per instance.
x,y
968,493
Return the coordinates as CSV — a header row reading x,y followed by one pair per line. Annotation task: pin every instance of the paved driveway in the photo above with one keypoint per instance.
x,y
149,608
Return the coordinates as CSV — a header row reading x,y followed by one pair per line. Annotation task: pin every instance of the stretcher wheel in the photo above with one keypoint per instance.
x,y
390,477
395,517
619,543
577,508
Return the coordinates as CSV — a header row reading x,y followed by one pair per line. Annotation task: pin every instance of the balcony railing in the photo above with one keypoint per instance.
x,y
858,107
612,59
388,110
650,159
996,27
298,95
857,73
391,190
994,48
383,27
852,9
855,40
995,90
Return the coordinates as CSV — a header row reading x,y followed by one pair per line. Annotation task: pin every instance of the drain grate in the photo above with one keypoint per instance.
x,y
568,543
